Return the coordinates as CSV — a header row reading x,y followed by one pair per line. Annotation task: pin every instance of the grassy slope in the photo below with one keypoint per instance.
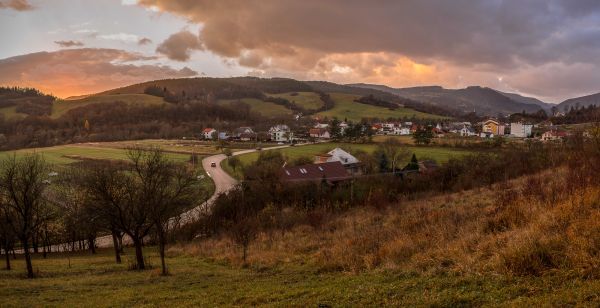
x,y
265,108
62,106
96,281
61,155
307,100
345,107
11,112
439,154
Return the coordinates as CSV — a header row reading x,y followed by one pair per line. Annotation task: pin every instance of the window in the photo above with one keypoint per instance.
x,y
303,171
321,168
287,172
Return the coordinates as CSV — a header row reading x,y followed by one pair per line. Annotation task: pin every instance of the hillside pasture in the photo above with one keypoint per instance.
x,y
60,107
266,109
346,108
306,100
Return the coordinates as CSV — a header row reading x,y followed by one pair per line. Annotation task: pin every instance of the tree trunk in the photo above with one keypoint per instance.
x,y
117,248
120,239
161,250
27,258
139,255
7,257
92,244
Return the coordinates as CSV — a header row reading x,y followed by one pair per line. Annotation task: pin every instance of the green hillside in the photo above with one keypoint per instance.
x,y
347,108
266,109
306,100
60,107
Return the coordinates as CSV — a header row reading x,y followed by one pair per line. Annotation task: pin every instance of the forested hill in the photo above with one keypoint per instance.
x,y
25,101
482,100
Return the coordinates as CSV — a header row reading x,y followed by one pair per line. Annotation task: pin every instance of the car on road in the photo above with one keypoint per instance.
x,y
213,164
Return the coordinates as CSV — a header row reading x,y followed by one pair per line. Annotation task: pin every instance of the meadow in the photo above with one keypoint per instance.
x,y
439,154
81,279
307,100
346,108
266,109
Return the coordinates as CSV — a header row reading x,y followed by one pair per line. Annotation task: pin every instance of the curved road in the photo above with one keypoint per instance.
x,y
223,183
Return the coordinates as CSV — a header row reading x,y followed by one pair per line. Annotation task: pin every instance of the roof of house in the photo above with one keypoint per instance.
x,y
342,156
317,131
208,130
557,133
491,121
331,171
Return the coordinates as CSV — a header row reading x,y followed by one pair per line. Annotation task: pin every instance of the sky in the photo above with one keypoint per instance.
x,y
549,49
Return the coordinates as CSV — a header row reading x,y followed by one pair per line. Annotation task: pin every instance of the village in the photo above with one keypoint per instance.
x,y
332,130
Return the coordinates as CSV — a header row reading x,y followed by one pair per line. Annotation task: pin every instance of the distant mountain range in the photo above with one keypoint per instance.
x,y
472,99
583,101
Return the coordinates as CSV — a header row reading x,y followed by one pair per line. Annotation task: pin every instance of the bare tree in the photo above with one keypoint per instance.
x,y
113,195
7,235
394,151
23,182
166,188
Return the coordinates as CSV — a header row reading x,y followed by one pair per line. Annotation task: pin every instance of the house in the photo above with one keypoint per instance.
x,y
402,131
414,128
552,135
224,136
520,130
320,133
321,125
350,163
377,128
330,172
208,133
343,127
493,127
281,133
466,132
244,134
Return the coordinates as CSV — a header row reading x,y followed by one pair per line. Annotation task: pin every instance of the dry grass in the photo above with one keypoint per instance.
x,y
530,226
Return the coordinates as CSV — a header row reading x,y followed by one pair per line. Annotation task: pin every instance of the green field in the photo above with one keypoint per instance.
x,y
83,280
60,107
347,108
307,100
439,154
266,109
61,155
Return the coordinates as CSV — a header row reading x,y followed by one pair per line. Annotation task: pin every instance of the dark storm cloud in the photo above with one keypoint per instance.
x,y
492,36
179,46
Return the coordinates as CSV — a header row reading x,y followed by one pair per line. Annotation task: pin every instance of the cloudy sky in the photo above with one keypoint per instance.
x,y
544,48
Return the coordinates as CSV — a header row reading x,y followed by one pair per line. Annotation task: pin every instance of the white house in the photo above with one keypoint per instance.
x,y
208,133
343,127
321,125
281,133
520,130
466,132
351,163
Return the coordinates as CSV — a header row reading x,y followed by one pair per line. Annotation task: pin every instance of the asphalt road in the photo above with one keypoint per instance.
x,y
223,183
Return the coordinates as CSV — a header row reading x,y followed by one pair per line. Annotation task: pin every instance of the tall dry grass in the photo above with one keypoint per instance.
x,y
528,226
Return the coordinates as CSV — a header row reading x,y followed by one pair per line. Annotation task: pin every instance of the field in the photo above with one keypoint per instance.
x,y
95,281
307,100
266,109
60,107
347,108
62,155
439,154
67,154
11,112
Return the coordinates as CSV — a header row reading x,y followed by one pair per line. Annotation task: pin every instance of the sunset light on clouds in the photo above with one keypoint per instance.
x,y
502,44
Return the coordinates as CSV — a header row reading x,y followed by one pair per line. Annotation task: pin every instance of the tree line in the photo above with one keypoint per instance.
x,y
140,198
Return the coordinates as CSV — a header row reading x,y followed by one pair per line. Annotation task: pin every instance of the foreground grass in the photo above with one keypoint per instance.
x,y
97,281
